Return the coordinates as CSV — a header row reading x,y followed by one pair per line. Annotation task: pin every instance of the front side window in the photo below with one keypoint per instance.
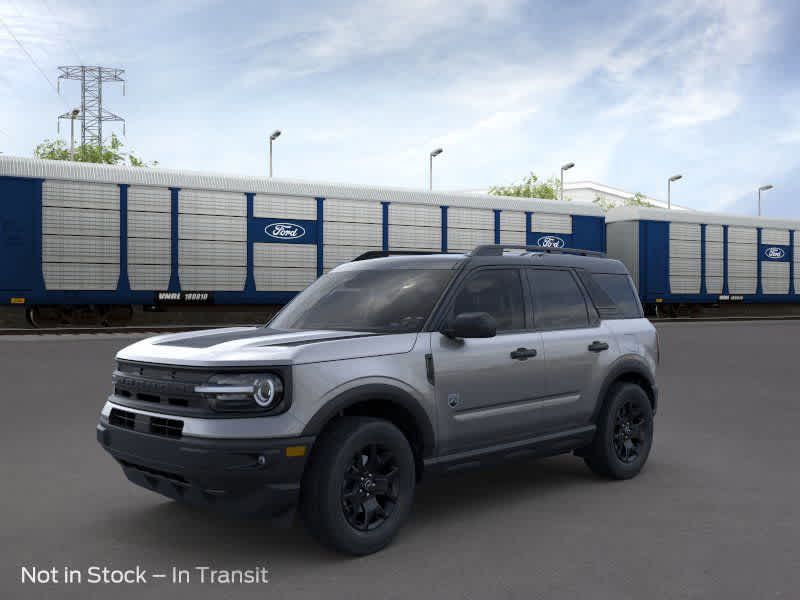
x,y
558,302
381,301
494,291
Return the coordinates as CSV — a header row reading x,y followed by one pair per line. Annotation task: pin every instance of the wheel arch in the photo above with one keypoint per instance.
x,y
628,370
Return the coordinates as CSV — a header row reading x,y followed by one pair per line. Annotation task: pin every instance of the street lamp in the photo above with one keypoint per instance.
x,y
566,167
436,152
763,188
669,183
72,116
275,135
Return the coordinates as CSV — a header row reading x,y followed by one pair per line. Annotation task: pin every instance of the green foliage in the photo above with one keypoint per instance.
x,y
530,187
638,199
112,154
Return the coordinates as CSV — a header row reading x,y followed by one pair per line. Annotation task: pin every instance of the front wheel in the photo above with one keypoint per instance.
x,y
624,433
359,486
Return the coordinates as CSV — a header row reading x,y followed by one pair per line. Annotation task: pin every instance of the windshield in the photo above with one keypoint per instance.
x,y
385,301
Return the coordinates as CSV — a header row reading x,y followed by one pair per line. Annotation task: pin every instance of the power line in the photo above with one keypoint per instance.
x,y
66,37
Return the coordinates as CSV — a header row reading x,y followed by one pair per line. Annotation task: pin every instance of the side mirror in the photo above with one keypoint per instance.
x,y
471,325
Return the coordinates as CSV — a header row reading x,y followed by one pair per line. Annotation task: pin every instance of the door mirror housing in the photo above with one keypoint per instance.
x,y
471,325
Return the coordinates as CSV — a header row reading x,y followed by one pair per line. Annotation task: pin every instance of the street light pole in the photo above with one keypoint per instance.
x,y
73,113
763,188
565,167
275,135
436,152
669,183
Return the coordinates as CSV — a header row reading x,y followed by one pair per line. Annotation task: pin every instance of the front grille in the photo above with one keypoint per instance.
x,y
167,387
172,428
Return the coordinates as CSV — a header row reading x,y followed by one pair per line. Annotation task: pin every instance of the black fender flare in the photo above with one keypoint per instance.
x,y
379,392
626,365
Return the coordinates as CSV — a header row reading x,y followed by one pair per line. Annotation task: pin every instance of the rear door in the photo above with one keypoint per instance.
x,y
17,206
487,390
578,347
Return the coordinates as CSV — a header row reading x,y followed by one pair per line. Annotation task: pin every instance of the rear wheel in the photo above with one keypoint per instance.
x,y
359,486
624,433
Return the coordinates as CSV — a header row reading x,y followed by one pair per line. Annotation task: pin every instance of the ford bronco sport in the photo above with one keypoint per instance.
x,y
385,370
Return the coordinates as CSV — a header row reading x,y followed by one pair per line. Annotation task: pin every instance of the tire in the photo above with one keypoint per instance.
x,y
359,485
624,433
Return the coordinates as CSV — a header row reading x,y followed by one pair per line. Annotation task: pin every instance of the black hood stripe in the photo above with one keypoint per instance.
x,y
207,341
318,340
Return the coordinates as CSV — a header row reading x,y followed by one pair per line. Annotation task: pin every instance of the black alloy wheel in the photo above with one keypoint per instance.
x,y
371,487
631,431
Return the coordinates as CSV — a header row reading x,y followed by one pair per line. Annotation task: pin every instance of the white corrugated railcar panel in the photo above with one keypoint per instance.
x,y
742,252
333,256
213,228
517,238
149,251
464,240
714,285
284,207
149,225
684,267
714,268
775,236
77,276
742,268
512,220
80,249
353,234
470,218
80,221
283,280
684,285
775,277
204,202
149,199
202,252
352,211
713,233
411,237
551,223
80,194
415,214
714,250
285,255
204,278
741,285
684,249
149,277
742,235
684,231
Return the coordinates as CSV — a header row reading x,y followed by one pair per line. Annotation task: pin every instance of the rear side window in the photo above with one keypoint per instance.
x,y
619,288
558,302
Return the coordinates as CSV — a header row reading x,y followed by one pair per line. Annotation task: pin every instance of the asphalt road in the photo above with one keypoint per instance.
x,y
715,514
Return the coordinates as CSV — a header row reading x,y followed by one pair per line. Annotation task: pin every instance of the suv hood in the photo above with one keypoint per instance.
x,y
242,346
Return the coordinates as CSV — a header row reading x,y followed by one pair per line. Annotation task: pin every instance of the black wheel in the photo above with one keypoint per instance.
x,y
359,485
624,433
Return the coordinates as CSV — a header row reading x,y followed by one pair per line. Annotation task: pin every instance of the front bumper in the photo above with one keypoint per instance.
x,y
230,475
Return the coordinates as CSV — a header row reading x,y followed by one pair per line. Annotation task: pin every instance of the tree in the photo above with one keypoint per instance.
x,y
638,199
530,187
112,154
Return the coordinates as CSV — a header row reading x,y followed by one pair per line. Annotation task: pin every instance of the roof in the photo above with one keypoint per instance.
x,y
636,213
14,166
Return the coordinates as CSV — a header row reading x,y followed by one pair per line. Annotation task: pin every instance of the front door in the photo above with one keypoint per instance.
x,y
487,390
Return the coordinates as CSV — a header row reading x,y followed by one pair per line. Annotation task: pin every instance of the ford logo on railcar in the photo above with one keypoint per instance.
x,y
776,253
285,231
550,241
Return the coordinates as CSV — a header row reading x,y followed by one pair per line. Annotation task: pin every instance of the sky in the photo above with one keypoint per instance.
x,y
632,92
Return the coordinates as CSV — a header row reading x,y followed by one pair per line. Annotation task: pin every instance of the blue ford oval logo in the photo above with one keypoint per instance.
x,y
285,231
550,241
774,253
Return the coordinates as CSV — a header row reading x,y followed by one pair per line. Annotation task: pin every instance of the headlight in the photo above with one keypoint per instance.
x,y
243,392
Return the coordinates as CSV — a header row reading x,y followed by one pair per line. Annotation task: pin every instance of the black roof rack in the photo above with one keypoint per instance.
x,y
497,250
386,253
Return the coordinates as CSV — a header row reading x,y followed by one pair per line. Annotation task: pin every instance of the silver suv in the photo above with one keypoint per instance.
x,y
385,370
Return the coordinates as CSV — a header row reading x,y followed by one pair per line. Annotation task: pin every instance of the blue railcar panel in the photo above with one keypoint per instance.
x,y
123,285
283,231
174,278
653,260
589,233
20,200
250,280
320,237
775,252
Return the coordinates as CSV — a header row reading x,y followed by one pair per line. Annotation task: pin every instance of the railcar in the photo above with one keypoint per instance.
x,y
81,239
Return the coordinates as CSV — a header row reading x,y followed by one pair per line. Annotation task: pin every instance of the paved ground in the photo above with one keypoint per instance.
x,y
714,515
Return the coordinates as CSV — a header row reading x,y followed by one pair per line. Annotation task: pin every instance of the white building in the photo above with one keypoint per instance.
x,y
588,191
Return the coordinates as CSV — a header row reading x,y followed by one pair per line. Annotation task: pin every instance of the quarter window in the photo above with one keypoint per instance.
x,y
558,302
494,291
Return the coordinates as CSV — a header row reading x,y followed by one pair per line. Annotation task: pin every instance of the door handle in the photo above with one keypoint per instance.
x,y
523,353
596,346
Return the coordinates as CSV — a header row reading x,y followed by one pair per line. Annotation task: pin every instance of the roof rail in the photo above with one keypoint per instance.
x,y
497,250
386,253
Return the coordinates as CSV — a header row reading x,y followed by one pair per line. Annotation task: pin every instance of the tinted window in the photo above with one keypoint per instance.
x,y
557,300
497,292
620,289
385,301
